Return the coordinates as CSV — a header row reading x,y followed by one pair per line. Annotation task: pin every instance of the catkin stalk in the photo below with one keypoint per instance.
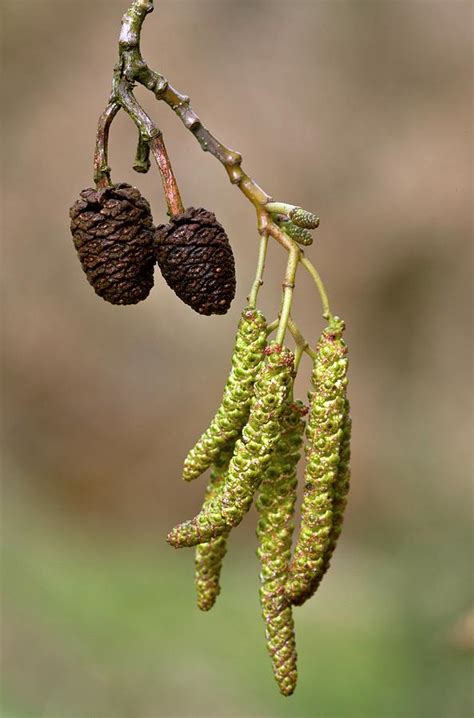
x,y
323,453
233,412
276,503
251,456
209,555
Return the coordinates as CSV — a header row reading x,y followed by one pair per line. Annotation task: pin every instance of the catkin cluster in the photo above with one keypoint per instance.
x,y
252,453
254,442
253,446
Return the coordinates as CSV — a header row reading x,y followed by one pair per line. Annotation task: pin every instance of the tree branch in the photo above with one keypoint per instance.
x,y
131,68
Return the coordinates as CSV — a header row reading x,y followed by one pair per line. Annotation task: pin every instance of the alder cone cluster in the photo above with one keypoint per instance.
x,y
196,260
113,232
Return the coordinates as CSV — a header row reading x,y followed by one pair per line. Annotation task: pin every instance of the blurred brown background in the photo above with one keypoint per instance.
x,y
361,111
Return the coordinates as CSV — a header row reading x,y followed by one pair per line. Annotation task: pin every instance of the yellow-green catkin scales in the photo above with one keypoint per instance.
x,y
341,489
276,504
251,456
209,555
323,451
233,412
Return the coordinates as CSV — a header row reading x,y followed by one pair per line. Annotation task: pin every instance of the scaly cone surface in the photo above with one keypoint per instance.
x,y
112,230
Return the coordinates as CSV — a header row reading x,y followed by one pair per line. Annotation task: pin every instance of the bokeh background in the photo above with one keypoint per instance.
x,y
361,111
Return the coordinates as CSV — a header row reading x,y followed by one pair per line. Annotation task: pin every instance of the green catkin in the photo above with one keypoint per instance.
x,y
302,218
340,492
276,503
233,412
299,234
209,555
251,456
323,451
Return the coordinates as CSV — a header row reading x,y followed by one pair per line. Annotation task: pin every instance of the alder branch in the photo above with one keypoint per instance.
x,y
132,69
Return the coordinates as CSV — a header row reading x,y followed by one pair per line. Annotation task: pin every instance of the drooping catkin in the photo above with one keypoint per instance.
x,y
251,456
340,492
323,454
233,412
209,555
275,504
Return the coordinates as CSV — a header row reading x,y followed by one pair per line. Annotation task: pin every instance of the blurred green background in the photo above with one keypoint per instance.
x,y
361,111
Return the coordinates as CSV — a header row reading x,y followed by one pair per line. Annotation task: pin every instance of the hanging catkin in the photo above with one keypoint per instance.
x,y
323,454
275,504
341,489
251,456
233,412
209,555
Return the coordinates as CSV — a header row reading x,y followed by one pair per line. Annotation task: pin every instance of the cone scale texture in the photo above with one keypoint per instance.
x,y
196,260
113,232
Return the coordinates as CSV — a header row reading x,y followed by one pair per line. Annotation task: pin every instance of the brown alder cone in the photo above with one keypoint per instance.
x,y
196,260
112,230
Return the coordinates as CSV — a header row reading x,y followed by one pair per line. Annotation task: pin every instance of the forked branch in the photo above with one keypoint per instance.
x,y
131,69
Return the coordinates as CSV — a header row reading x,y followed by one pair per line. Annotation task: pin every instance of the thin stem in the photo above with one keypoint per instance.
x,y
281,237
309,266
132,68
280,208
170,186
258,281
299,351
135,69
101,165
271,327
300,341
152,135
142,158
288,287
